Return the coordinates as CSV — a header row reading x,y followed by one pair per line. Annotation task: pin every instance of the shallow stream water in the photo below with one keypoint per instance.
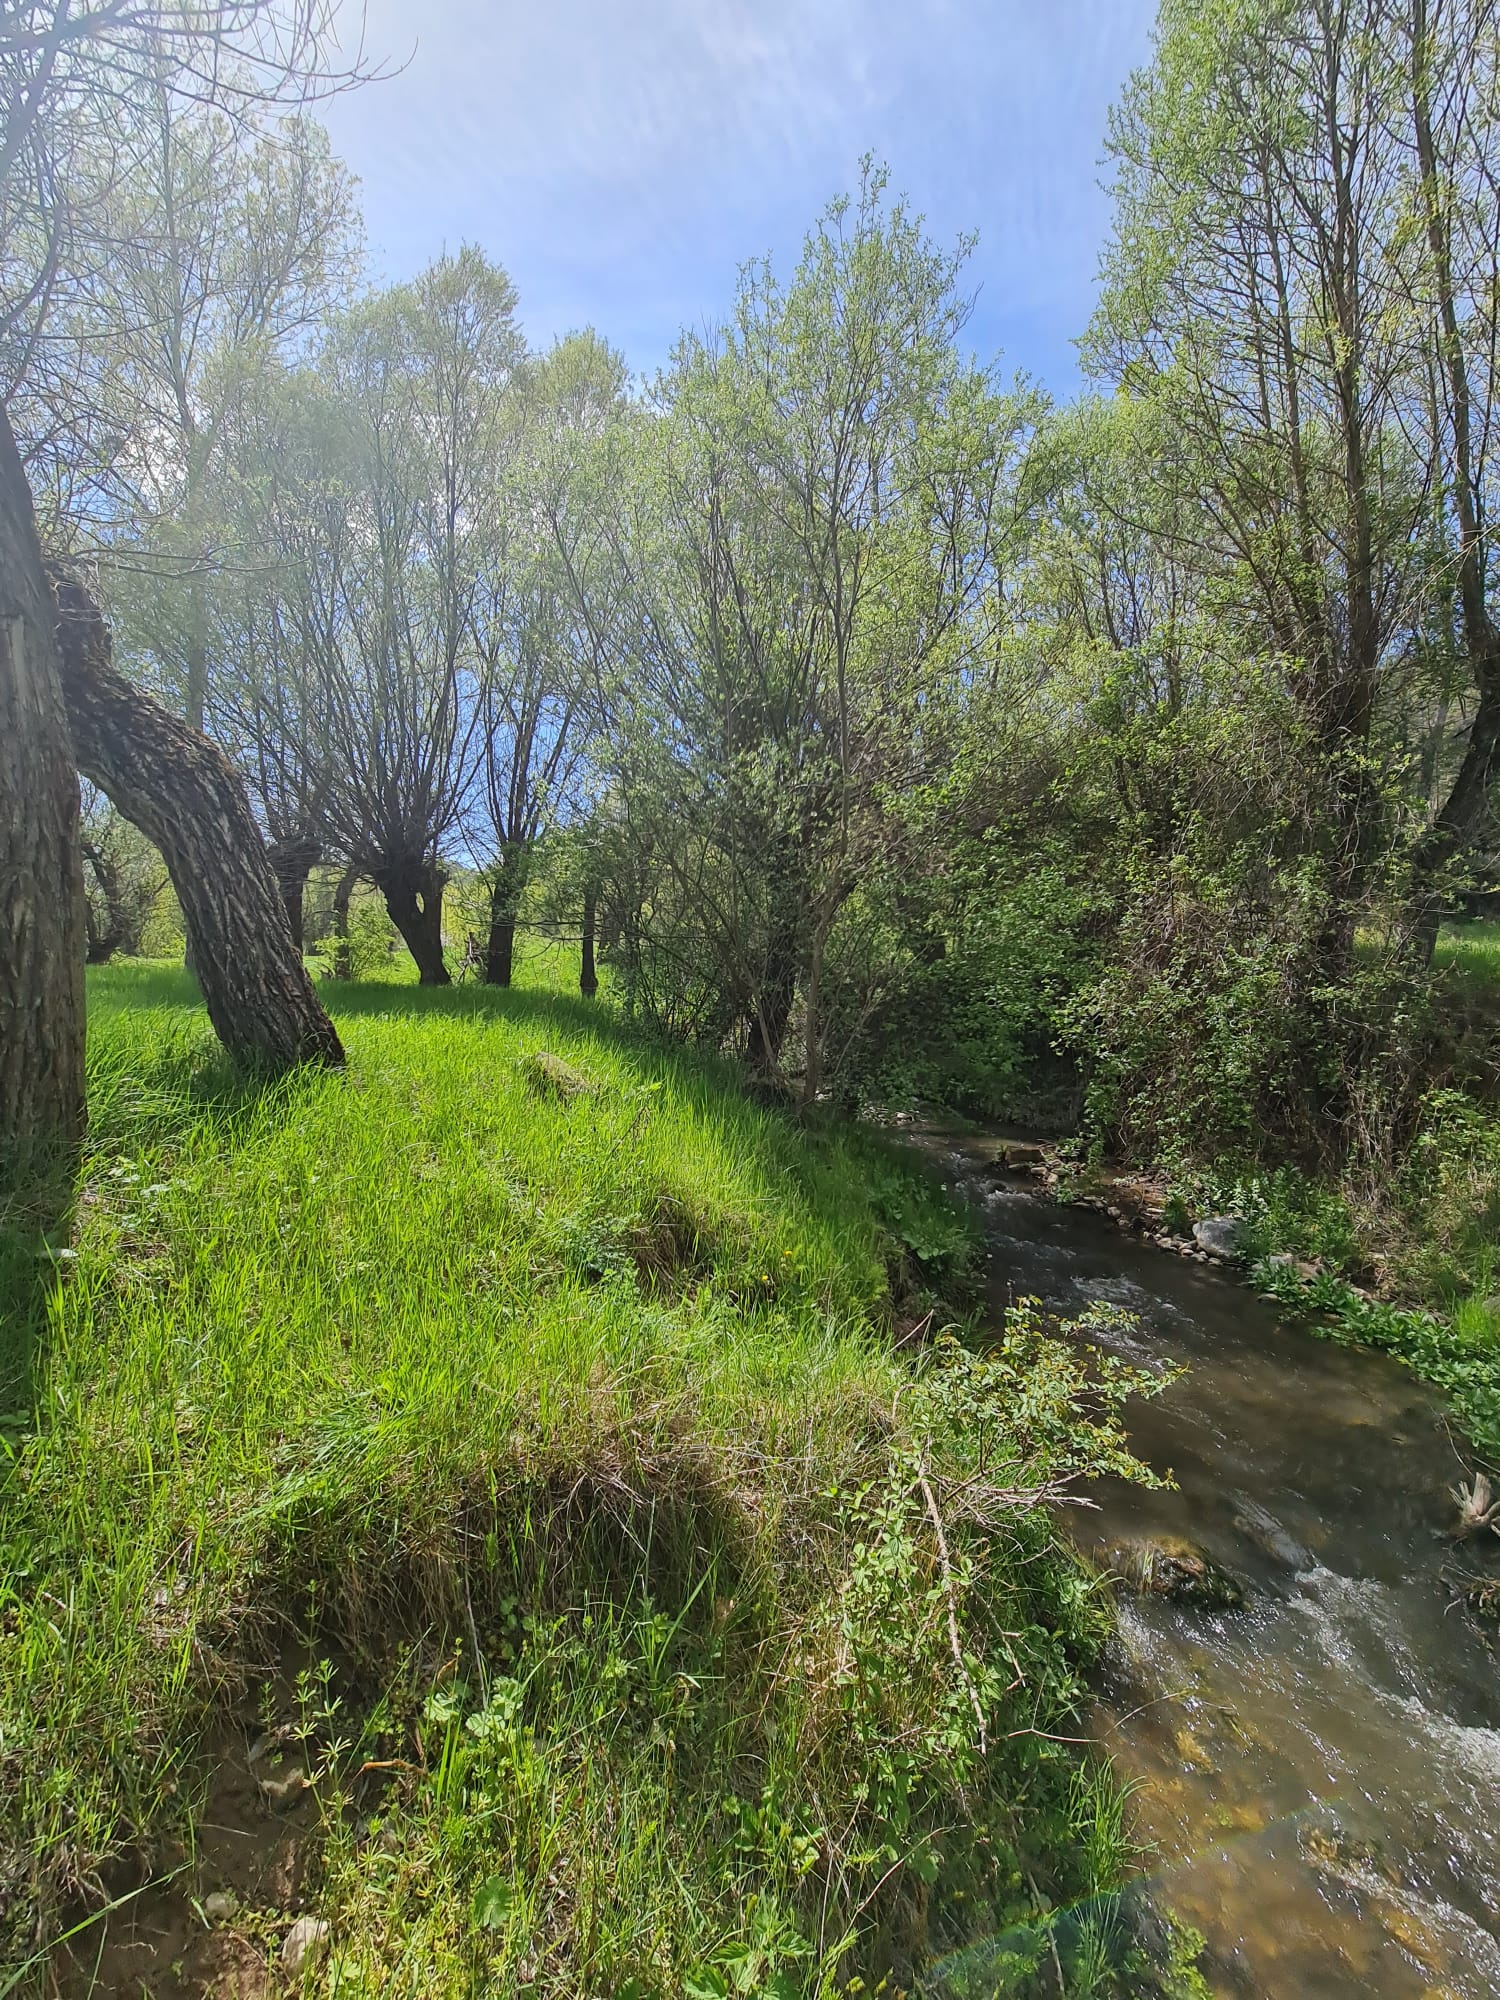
x,y
1318,1774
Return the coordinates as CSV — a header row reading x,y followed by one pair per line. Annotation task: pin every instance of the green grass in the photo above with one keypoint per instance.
x,y
539,1464
1470,955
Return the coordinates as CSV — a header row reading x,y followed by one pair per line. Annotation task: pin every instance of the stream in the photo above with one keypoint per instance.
x,y
1317,1775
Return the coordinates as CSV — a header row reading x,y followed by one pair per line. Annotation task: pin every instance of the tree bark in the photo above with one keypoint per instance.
x,y
413,894
343,956
292,861
588,977
500,947
506,890
181,792
42,929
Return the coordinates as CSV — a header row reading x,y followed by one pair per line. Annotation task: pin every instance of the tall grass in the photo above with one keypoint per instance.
x,y
544,1416
1470,955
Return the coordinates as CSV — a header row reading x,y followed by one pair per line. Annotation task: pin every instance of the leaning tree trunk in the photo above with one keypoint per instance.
x,y
42,929
413,893
180,790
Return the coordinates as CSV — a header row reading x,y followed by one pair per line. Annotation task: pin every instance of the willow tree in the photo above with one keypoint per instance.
x,y
71,82
534,651
1303,282
808,528
411,394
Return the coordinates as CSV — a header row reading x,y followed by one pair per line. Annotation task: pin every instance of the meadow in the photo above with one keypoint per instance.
x,y
479,1508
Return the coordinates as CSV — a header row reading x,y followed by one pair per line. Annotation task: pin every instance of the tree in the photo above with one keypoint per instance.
x,y
534,652
64,72
805,543
1452,67
269,700
414,389
1303,281
228,245
1257,200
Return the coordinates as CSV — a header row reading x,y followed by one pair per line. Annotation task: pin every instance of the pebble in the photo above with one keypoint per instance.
x,y
281,1791
220,1907
304,1944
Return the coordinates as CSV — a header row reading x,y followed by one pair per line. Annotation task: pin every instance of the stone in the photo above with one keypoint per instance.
x,y
284,1787
219,1908
1176,1570
1220,1235
304,1944
547,1075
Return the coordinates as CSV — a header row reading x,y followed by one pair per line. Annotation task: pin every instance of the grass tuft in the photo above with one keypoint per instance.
x,y
535,1463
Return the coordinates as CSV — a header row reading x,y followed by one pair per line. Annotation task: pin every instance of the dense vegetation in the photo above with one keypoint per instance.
x,y
520,1408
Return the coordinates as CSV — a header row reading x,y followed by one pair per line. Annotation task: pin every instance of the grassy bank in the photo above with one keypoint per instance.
x,y
475,1503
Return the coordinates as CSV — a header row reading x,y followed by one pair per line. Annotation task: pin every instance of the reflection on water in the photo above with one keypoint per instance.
x,y
1318,1774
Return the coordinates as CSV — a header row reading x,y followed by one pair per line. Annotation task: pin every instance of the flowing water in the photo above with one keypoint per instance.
x,y
1318,1774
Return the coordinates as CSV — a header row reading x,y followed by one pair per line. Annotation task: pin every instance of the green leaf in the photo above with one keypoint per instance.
x,y
706,1982
493,1901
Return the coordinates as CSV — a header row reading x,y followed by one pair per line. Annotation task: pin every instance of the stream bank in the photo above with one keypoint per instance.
x,y
1314,1773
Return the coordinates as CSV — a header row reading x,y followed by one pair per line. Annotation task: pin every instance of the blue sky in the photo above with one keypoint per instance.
x,y
622,160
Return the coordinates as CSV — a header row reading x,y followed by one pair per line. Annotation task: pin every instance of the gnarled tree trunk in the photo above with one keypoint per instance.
x,y
413,893
41,872
179,789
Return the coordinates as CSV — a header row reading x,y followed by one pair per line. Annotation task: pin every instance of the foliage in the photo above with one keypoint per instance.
x,y
802,539
952,992
702,1641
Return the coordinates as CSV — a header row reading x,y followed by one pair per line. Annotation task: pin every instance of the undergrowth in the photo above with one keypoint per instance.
x,y
664,1630
1431,1301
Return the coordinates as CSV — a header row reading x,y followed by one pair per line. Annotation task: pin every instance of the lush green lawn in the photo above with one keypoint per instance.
x,y
526,1448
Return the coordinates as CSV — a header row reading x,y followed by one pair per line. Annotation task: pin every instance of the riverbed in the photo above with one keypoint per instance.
x,y
1317,1775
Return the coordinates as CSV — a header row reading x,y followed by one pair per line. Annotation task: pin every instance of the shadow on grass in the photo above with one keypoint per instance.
x,y
350,999
533,1007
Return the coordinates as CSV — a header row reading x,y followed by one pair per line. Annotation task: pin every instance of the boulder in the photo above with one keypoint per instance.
x,y
1220,1235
